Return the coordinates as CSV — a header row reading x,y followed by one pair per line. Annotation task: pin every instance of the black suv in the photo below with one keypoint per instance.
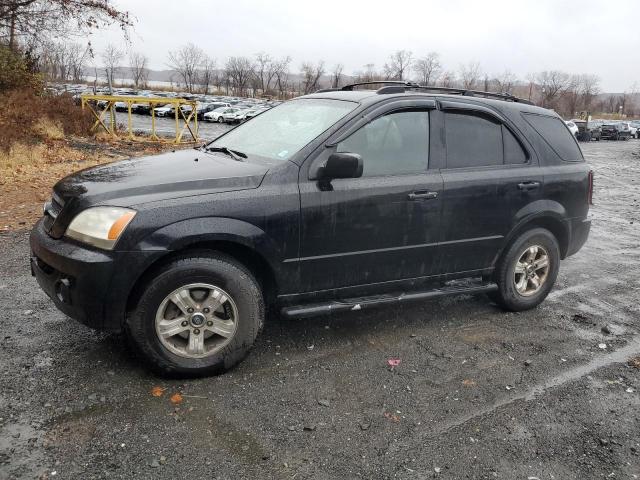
x,y
336,201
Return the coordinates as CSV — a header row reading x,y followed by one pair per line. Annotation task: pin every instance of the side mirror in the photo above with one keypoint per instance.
x,y
341,165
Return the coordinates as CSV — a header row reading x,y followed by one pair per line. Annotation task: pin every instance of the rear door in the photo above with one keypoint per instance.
x,y
489,176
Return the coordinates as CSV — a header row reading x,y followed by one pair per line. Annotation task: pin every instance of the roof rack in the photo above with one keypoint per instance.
x,y
473,93
399,86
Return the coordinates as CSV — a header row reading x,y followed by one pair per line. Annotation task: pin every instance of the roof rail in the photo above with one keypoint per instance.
x,y
474,93
324,90
379,82
397,86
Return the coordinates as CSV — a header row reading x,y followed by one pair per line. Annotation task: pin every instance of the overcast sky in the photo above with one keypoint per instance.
x,y
578,36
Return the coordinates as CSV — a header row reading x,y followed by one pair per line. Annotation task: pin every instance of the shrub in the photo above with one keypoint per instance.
x,y
30,118
15,72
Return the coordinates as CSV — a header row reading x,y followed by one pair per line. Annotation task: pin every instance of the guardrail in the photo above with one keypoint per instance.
x,y
101,105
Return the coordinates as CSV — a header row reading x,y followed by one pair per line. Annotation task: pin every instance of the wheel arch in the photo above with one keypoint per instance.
x,y
245,256
243,242
548,220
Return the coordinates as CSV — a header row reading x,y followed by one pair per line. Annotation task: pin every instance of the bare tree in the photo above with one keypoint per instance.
x,y
369,74
207,73
77,58
139,71
281,73
553,85
186,61
505,82
265,71
470,75
398,64
336,75
571,96
239,71
589,89
311,75
428,68
448,79
111,58
34,22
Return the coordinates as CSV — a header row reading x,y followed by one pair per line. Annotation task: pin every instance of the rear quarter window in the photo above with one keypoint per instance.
x,y
556,135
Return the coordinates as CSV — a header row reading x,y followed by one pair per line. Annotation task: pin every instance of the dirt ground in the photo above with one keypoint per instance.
x,y
552,393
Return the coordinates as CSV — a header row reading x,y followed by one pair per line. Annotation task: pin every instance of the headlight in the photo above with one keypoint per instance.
x,y
100,226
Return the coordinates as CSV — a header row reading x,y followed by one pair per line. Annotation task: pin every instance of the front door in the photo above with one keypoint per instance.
x,y
382,227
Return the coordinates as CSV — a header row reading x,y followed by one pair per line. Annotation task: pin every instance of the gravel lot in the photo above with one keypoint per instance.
x,y
479,393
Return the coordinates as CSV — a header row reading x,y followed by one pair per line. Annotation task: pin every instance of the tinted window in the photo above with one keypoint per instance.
x,y
513,152
472,140
394,144
557,136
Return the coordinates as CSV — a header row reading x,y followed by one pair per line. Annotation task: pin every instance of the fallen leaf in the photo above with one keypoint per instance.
x,y
157,391
468,383
176,398
391,416
393,362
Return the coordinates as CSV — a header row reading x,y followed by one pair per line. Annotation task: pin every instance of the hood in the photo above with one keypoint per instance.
x,y
147,179
170,175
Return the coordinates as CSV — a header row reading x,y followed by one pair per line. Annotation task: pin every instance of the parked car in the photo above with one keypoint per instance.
x,y
165,111
573,128
588,131
332,202
144,108
616,131
209,107
221,114
634,129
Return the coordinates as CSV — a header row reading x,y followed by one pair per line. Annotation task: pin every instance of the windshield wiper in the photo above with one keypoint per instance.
x,y
236,155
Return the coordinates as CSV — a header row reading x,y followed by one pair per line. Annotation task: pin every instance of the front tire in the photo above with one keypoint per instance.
x,y
527,270
198,315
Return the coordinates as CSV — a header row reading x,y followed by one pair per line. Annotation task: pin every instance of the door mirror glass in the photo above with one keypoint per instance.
x,y
342,165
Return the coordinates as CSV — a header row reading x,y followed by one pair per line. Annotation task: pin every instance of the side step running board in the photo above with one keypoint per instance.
x,y
354,304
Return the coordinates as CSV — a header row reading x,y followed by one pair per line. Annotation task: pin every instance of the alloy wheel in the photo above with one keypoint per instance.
x,y
196,320
531,270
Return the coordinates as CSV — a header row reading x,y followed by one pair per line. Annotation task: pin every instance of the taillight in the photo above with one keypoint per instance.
x,y
590,191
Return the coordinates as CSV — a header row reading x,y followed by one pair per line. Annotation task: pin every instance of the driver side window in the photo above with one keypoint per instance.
x,y
394,144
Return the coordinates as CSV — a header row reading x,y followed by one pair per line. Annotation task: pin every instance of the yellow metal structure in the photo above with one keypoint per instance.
x,y
109,108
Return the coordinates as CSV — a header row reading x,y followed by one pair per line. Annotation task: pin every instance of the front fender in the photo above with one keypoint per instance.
x,y
180,235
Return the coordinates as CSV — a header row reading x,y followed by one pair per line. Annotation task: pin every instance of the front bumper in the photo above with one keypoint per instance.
x,y
87,284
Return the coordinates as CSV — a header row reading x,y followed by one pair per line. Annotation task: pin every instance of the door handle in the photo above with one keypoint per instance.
x,y
422,195
528,185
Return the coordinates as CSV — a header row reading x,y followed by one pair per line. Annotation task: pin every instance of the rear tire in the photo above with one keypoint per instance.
x,y
518,291
215,278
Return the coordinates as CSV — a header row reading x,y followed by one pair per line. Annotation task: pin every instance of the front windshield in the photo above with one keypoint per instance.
x,y
281,132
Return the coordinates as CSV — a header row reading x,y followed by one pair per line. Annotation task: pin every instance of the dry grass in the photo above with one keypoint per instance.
x,y
29,171
29,118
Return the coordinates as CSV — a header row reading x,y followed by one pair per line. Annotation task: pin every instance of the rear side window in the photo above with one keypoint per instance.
x,y
557,136
513,152
472,140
